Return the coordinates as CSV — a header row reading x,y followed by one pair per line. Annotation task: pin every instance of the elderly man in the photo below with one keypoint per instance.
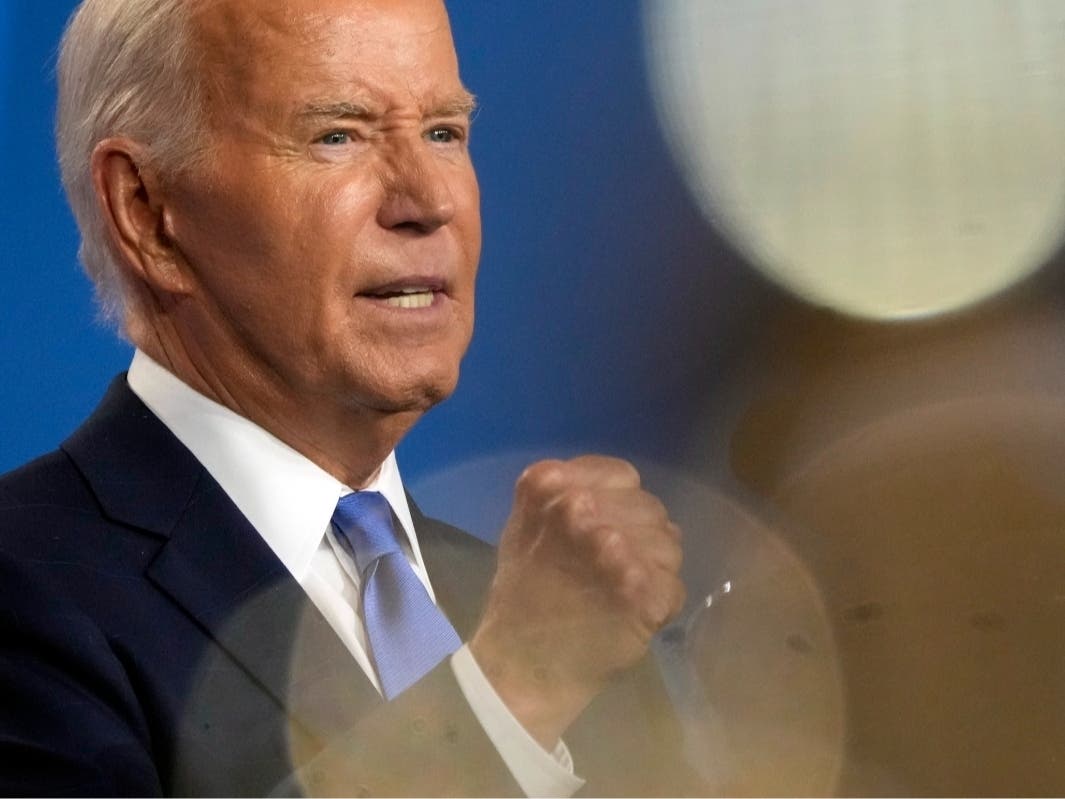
x,y
217,585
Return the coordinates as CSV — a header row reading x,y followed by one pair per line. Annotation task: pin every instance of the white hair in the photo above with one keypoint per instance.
x,y
126,68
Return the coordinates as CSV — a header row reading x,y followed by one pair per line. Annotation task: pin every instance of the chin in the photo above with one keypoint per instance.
x,y
416,396
400,379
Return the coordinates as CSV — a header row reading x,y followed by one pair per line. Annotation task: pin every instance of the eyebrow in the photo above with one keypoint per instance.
x,y
464,104
337,110
460,105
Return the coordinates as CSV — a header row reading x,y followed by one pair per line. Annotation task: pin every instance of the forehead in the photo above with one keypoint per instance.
x,y
269,53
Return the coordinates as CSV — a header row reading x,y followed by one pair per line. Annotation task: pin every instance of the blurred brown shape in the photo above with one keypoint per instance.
x,y
917,472
948,523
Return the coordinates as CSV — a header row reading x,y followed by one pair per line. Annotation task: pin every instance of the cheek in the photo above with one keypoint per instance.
x,y
468,222
330,230
262,214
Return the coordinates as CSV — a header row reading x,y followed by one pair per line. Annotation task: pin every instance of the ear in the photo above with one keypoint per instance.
x,y
132,201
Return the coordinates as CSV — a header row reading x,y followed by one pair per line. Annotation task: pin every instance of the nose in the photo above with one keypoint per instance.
x,y
417,194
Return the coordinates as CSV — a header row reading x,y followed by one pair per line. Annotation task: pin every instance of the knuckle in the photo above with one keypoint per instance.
x,y
577,510
541,479
653,504
609,546
591,461
671,603
627,471
658,508
651,510
672,556
620,469
614,469
667,604
634,582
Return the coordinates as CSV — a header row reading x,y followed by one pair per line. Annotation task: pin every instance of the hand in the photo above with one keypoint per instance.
x,y
587,574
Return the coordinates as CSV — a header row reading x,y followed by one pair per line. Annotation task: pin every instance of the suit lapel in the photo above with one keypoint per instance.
x,y
219,570
222,572
216,567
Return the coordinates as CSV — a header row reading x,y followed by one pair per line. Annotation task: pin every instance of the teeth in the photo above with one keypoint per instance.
x,y
412,298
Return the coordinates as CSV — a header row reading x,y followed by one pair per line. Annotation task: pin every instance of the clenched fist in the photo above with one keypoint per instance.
x,y
587,574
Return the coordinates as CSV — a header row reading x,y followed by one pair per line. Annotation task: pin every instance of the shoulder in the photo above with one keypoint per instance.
x,y
69,570
50,516
50,480
58,563
78,507
42,504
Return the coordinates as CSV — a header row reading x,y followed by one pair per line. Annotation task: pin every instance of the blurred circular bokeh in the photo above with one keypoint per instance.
x,y
936,535
760,692
751,666
886,159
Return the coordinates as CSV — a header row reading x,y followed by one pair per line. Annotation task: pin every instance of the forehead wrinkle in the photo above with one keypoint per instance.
x,y
234,43
319,27
242,38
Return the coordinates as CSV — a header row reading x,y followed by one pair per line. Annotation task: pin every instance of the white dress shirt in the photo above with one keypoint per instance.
x,y
290,500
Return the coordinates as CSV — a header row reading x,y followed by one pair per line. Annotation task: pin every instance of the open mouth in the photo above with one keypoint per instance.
x,y
410,297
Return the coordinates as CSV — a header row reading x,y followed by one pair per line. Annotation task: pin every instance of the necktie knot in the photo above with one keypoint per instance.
x,y
365,520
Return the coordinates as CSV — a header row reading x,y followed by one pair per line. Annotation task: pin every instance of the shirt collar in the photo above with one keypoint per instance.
x,y
287,498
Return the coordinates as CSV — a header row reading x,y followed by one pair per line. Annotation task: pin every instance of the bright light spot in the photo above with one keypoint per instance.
x,y
888,158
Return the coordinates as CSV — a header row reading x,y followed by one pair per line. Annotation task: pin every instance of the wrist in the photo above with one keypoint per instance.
x,y
535,693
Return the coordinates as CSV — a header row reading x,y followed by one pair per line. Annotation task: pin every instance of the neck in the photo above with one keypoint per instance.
x,y
348,441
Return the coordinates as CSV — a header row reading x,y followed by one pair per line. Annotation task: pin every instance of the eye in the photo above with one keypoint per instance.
x,y
443,135
335,137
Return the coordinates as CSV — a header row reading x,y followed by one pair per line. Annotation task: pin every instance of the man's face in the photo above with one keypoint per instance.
x,y
334,234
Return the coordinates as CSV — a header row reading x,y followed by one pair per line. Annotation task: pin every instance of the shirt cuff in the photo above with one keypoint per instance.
x,y
537,771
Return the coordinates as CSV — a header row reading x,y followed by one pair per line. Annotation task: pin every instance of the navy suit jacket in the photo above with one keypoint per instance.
x,y
152,643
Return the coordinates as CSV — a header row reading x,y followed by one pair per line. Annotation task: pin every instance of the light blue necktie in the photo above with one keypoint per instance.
x,y
408,633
